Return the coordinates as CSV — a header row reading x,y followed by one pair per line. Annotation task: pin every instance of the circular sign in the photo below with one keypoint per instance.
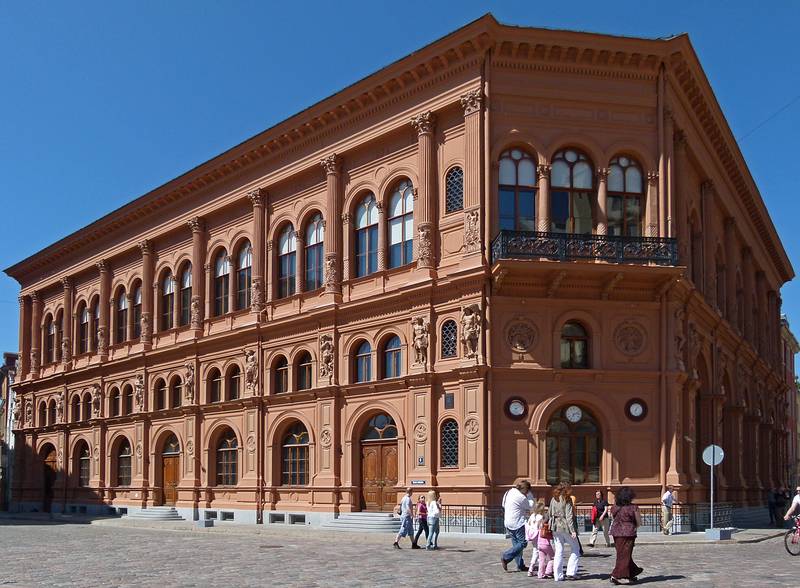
x,y
713,455
516,408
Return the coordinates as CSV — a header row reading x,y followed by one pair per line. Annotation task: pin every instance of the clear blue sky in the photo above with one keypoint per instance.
x,y
102,101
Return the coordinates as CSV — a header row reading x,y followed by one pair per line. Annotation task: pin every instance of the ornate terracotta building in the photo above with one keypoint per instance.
x,y
515,253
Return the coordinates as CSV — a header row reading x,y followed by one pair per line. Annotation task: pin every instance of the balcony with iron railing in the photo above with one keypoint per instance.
x,y
573,247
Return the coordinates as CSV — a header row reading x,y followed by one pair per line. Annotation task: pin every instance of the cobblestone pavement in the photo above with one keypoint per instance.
x,y
42,554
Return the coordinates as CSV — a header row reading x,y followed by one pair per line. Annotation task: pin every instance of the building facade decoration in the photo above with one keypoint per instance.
x,y
472,428
188,384
419,328
521,335
471,101
472,231
630,338
327,354
96,396
251,371
421,432
425,246
60,406
471,330
138,392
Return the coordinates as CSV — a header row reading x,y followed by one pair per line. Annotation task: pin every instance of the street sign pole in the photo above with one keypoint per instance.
x,y
713,456
713,448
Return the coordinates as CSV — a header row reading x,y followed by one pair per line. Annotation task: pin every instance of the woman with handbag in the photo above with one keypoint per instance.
x,y
539,535
626,519
562,524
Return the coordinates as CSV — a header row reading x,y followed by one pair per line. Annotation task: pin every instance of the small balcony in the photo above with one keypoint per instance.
x,y
572,247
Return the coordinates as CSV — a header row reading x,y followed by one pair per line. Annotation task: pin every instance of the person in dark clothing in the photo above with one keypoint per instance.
x,y
422,522
781,496
626,520
771,506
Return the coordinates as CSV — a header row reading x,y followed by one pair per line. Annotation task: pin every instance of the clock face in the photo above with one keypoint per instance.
x,y
574,414
516,408
636,409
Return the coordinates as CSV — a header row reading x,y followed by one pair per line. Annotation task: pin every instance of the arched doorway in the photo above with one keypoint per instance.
x,y
574,448
170,470
49,473
379,464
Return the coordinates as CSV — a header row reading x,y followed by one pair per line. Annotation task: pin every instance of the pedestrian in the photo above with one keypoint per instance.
x,y
666,510
781,497
795,506
574,501
562,524
601,518
405,510
623,528
422,522
434,510
538,533
515,513
771,505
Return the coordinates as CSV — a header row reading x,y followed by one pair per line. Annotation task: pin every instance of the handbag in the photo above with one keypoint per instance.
x,y
545,532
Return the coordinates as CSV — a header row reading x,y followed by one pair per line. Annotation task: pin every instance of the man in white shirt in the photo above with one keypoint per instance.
x,y
666,510
794,508
406,522
516,509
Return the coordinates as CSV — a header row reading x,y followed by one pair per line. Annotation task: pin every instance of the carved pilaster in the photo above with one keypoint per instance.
x,y
472,101
331,164
424,122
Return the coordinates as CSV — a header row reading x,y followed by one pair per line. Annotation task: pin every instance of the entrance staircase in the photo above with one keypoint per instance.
x,y
156,513
365,522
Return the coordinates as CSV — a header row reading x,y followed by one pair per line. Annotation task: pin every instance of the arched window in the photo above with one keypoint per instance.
x,y
127,394
121,334
50,341
571,193
244,276
315,234
448,445
573,447
304,371
137,311
574,346
287,247
517,191
175,392
281,375
454,189
59,333
82,465
227,459
234,381
124,464
87,407
366,237
449,339
114,402
96,319
76,409
51,412
295,457
161,395
380,427
167,301
186,294
215,385
171,446
391,358
363,363
625,197
222,270
43,414
83,329
401,225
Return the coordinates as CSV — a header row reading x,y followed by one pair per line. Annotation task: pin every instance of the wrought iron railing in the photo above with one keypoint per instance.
x,y
571,247
457,518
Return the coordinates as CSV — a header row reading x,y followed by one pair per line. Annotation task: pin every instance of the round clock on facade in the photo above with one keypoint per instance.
x,y
516,408
636,409
574,414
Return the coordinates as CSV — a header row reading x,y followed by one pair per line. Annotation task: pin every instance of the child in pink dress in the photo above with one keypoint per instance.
x,y
543,545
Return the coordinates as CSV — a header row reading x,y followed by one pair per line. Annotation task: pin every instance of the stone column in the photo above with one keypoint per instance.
x,y
425,207
148,310
749,285
347,246
730,269
761,297
669,211
257,288
197,225
36,334
129,326
472,103
66,337
176,300
381,237
652,206
680,196
709,265
544,197
333,230
300,262
208,282
602,200
270,271
232,282
104,332
24,338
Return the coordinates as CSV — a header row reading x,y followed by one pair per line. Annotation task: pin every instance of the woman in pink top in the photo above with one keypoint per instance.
x,y
422,522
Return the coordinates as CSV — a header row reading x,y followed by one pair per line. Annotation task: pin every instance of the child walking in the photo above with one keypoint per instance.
x,y
538,533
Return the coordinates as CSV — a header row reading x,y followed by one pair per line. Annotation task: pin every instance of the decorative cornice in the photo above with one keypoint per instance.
x,y
331,164
423,123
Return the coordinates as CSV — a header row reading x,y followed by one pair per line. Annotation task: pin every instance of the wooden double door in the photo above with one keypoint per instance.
x,y
379,476
170,475
50,469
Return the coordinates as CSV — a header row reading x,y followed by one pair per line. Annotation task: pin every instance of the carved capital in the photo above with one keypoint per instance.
x,y
652,178
472,101
197,224
707,186
424,122
146,247
345,218
602,174
102,266
256,196
35,297
331,164
66,281
544,170
679,137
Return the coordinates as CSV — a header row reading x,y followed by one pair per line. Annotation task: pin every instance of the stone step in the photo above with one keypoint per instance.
x,y
157,513
365,522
